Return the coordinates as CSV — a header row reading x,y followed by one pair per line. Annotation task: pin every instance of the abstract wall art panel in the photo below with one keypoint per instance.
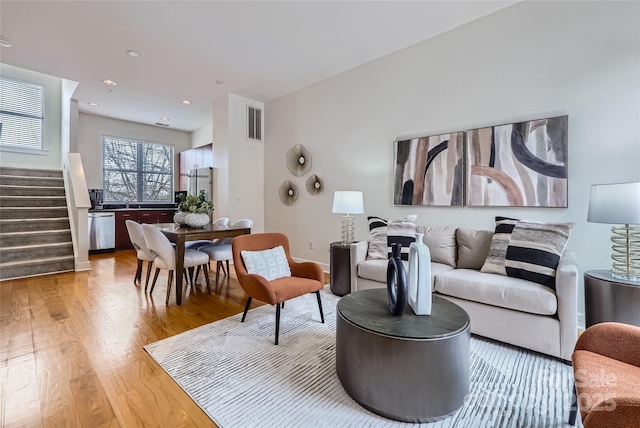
x,y
521,164
429,170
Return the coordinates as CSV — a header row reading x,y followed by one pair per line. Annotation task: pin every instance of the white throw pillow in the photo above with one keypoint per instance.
x,y
270,264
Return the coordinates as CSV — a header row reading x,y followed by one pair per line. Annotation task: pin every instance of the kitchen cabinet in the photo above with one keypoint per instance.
x,y
141,216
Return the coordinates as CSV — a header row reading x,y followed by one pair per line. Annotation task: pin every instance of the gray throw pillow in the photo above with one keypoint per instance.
x,y
377,238
494,262
442,244
473,247
401,231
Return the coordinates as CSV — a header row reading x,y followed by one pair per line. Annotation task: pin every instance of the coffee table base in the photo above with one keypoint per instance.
x,y
409,380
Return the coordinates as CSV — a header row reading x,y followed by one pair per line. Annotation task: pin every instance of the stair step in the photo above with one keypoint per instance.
x,y
10,190
33,224
33,201
42,266
17,239
18,180
39,251
32,212
28,172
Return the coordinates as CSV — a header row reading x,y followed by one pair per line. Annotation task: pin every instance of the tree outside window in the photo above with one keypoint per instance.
x,y
137,171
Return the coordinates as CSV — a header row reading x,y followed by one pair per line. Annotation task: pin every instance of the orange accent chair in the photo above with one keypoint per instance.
x,y
606,366
306,277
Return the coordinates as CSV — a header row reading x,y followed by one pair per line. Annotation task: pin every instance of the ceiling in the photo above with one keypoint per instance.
x,y
201,50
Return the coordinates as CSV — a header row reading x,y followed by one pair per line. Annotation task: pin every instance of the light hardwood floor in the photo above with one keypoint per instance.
x,y
71,347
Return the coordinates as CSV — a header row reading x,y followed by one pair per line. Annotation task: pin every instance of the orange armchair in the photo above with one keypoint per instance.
x,y
306,277
606,365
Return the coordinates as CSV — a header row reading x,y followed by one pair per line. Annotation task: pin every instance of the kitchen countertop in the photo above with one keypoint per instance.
x,y
110,210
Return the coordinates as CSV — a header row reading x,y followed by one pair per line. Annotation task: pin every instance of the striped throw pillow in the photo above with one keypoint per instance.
x,y
494,263
377,238
534,251
401,231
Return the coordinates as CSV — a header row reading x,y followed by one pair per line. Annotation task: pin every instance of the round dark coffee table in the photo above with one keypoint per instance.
x,y
409,368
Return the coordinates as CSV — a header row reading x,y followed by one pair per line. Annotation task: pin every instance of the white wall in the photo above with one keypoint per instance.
x,y
238,163
202,136
531,60
91,129
51,158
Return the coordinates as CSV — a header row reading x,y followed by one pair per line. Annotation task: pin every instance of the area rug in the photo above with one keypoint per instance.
x,y
235,373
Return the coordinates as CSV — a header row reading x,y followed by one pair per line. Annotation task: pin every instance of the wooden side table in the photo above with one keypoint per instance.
x,y
340,268
610,299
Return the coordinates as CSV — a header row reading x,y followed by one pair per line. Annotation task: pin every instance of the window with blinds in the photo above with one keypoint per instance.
x,y
21,114
254,123
136,171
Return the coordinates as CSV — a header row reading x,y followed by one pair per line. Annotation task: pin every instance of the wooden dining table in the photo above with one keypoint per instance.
x,y
182,234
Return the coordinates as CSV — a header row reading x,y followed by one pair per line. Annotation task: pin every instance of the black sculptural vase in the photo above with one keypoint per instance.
x,y
396,282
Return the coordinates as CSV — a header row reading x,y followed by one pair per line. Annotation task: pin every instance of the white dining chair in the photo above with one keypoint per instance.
x,y
136,235
165,257
194,245
222,251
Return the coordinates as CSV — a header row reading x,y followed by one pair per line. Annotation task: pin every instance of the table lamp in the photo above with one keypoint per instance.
x,y
619,204
347,202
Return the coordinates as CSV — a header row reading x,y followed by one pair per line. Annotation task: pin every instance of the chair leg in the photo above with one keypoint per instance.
x,y
320,306
155,278
169,282
227,272
246,308
277,322
138,272
197,273
205,269
573,411
218,264
186,278
223,270
282,305
149,266
191,270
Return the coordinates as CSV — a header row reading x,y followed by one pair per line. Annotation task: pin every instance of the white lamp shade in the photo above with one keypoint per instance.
x,y
347,202
615,203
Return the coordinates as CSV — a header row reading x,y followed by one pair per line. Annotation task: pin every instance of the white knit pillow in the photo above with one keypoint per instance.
x,y
270,264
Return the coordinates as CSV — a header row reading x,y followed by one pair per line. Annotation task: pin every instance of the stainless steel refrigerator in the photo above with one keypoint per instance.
x,y
200,179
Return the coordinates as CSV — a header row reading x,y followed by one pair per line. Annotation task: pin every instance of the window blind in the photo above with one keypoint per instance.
x,y
21,114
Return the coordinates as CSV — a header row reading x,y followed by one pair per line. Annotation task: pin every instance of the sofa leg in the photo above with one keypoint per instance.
x,y
573,411
246,309
320,306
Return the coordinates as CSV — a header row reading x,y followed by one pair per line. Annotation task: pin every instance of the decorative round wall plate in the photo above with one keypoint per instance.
x,y
298,160
314,185
288,192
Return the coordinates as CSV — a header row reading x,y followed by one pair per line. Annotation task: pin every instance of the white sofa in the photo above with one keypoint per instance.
x,y
510,310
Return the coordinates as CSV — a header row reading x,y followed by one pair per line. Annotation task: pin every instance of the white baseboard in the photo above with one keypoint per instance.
x,y
83,266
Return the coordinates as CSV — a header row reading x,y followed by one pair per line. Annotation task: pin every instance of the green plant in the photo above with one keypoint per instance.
x,y
195,204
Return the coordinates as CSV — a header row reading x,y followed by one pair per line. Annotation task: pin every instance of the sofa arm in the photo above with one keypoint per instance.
x,y
358,255
617,341
567,294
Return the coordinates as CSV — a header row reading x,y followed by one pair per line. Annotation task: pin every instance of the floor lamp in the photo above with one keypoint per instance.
x,y
619,204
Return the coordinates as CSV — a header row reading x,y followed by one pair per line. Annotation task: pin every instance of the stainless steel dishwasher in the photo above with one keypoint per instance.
x,y
102,231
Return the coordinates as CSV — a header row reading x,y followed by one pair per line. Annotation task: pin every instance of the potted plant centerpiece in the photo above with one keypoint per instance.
x,y
194,211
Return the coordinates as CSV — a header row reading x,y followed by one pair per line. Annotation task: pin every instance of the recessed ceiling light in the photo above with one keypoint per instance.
x,y
93,104
165,119
4,42
109,82
186,102
218,82
133,54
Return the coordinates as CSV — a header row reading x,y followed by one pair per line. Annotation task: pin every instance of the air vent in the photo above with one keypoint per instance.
x,y
162,124
254,123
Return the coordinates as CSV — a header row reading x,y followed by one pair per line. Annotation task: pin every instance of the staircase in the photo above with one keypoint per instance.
x,y
35,236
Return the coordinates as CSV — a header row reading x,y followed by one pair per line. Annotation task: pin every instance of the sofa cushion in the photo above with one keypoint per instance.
x,y
497,290
535,249
473,247
442,244
499,244
376,270
377,238
401,231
